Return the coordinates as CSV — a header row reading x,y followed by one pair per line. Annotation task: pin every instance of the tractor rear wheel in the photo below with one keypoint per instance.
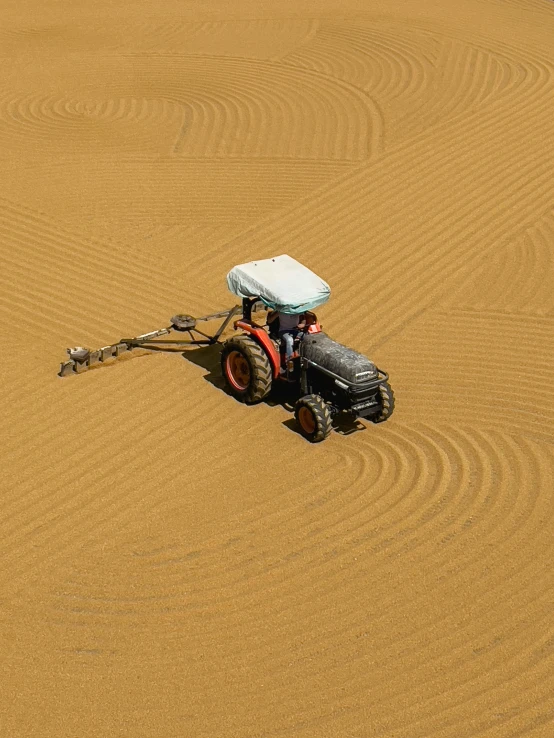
x,y
387,403
246,369
313,416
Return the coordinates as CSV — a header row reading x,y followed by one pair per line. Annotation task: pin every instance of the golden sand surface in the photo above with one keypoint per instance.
x,y
175,564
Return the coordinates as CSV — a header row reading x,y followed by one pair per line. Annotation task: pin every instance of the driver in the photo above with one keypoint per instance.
x,y
290,326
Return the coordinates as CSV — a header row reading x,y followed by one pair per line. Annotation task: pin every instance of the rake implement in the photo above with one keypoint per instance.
x,y
81,359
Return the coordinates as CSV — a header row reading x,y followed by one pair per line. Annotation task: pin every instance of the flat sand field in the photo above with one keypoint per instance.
x,y
175,564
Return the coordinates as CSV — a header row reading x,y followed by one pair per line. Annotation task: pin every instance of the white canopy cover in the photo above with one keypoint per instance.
x,y
282,283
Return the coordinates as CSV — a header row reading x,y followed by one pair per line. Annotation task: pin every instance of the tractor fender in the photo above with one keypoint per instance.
x,y
261,336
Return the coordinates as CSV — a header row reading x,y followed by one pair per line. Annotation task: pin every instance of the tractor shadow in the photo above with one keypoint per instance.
x,y
208,358
283,395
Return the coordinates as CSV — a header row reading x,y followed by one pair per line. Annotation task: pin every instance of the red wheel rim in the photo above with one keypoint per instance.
x,y
237,370
306,419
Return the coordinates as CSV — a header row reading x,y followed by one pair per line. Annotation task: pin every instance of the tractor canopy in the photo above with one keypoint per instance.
x,y
281,283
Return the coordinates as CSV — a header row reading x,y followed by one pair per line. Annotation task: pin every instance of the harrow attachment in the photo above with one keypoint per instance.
x,y
81,358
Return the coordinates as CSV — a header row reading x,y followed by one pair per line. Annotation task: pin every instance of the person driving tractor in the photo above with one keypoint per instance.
x,y
290,326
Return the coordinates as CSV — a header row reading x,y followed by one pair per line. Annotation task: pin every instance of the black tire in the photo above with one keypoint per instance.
x,y
313,417
387,403
246,369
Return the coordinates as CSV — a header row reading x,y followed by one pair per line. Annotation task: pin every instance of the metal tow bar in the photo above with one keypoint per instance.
x,y
81,358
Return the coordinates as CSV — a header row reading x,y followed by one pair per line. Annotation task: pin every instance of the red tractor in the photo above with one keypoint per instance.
x,y
326,377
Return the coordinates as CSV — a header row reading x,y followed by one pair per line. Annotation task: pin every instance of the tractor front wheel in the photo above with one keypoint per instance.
x,y
246,369
387,403
313,416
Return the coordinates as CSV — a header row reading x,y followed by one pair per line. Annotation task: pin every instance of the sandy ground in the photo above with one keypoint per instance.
x,y
176,564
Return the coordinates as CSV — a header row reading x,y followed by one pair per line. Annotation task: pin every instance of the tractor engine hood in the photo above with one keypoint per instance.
x,y
341,360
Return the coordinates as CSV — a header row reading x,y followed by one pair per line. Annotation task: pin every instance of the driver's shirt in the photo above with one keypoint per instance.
x,y
288,322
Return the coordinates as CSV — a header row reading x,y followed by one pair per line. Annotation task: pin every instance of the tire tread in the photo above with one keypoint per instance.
x,y
322,415
261,383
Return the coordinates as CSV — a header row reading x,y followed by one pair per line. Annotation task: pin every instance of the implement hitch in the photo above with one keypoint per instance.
x,y
81,359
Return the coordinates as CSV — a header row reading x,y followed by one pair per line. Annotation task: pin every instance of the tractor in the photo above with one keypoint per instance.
x,y
322,377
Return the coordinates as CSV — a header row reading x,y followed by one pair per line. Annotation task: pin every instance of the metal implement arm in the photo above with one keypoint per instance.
x,y
82,359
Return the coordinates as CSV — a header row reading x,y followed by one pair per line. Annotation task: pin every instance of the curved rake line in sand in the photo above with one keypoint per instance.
x,y
75,300
492,376
352,659
281,512
330,529
259,99
348,551
96,514
289,657
469,71
328,91
105,408
424,46
22,219
304,517
357,181
519,68
475,83
66,310
352,656
525,265
537,6
165,423
517,48
337,56
399,70
41,116
434,264
165,34
415,40
534,423
526,698
342,222
278,504
462,635
68,462
213,589
485,75
53,245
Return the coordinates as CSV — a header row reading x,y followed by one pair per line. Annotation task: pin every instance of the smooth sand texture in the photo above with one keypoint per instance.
x,y
174,564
